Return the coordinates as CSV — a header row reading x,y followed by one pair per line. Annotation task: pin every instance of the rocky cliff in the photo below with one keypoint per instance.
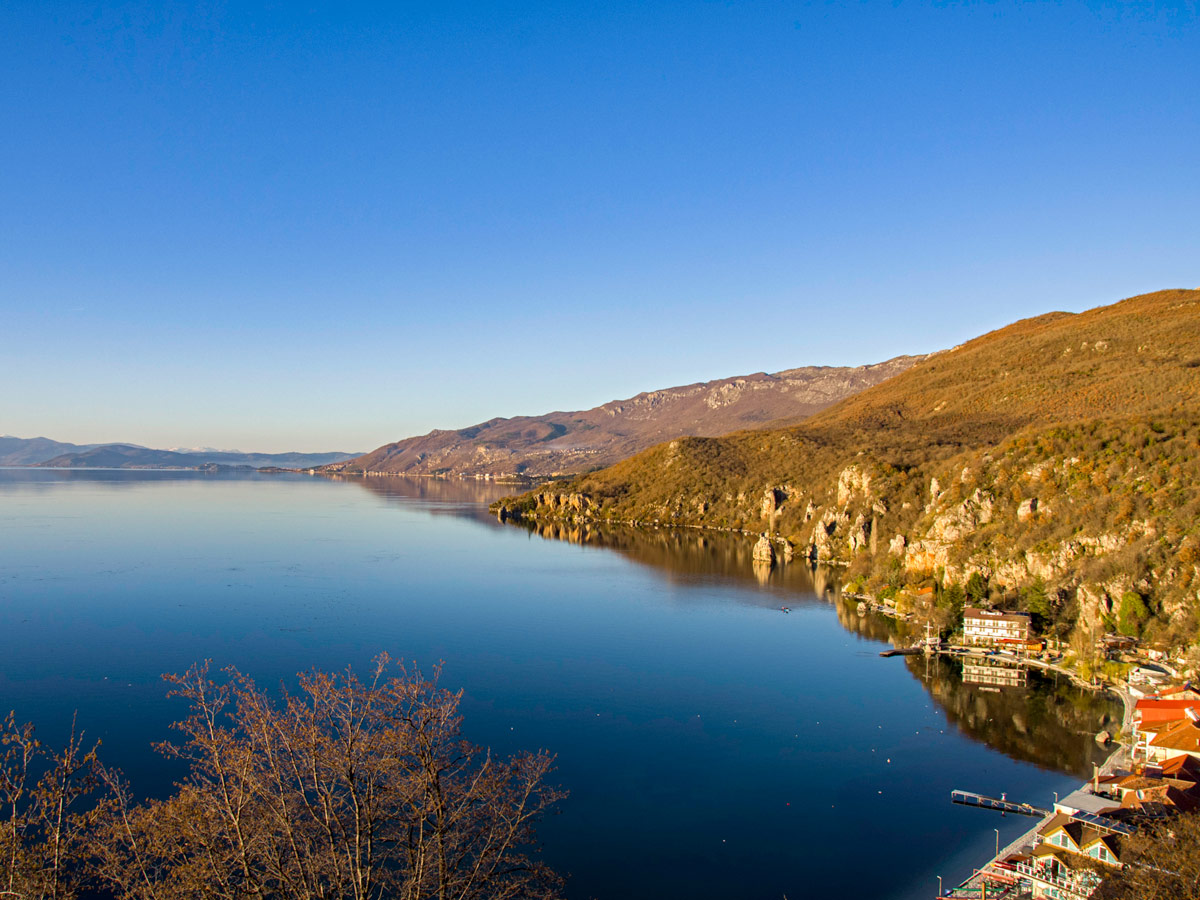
x,y
571,442
1056,460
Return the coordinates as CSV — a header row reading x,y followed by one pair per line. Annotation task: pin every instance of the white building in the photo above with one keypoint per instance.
x,y
994,626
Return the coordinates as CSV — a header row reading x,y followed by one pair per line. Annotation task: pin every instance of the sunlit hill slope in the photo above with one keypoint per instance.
x,y
1057,458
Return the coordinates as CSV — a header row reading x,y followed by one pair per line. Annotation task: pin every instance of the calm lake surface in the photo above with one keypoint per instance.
x,y
714,745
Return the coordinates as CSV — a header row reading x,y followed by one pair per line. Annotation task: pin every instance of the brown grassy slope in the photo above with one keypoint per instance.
x,y
1050,383
1138,356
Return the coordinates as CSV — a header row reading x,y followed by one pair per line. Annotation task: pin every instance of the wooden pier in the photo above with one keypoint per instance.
x,y
968,798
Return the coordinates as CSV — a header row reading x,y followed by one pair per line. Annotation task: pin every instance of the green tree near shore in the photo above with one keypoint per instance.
x,y
977,589
1132,614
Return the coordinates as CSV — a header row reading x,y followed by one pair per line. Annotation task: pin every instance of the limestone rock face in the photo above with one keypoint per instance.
x,y
897,545
831,525
926,556
1092,604
772,499
577,502
1032,509
860,534
764,551
935,494
853,482
963,519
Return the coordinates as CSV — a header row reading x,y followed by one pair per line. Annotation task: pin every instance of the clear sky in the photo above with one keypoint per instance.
x,y
320,226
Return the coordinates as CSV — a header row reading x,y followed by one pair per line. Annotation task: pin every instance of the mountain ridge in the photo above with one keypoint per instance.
x,y
1056,460
43,452
560,442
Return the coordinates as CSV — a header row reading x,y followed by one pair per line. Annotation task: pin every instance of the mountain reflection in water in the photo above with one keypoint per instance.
x,y
690,555
455,494
1022,713
1049,721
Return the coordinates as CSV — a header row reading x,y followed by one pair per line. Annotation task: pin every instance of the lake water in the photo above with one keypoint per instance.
x,y
714,745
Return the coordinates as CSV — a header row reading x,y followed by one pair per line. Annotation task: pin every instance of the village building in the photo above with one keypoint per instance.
x,y
1156,789
1173,739
994,626
1062,863
1179,692
1086,801
1155,711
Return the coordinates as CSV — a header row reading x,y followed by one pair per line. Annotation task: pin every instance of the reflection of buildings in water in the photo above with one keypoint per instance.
x,y
1001,676
1046,721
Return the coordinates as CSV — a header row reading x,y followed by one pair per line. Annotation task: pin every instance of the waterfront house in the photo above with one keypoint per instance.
x,y
1062,863
1179,692
1175,738
994,626
1085,801
1080,838
1155,711
1150,792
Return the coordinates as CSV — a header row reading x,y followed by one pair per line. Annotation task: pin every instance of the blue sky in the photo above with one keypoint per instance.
x,y
331,225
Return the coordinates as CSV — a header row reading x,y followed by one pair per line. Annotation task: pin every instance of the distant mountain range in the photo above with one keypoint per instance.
x,y
42,451
15,451
572,442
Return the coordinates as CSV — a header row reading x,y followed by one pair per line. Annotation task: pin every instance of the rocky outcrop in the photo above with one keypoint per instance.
x,y
1032,508
964,518
859,537
550,501
853,483
821,546
772,499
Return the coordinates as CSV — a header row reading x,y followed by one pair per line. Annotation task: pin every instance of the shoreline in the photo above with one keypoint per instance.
x,y
982,874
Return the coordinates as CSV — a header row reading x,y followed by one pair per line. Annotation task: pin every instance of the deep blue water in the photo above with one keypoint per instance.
x,y
714,746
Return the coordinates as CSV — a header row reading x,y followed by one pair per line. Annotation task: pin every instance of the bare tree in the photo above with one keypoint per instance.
x,y
345,790
1160,862
46,822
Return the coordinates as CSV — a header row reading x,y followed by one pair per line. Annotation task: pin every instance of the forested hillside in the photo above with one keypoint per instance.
x,y
1053,464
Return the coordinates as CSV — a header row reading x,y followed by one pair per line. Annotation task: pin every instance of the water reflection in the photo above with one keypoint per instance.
x,y
714,745
1048,721
456,496
1021,713
686,556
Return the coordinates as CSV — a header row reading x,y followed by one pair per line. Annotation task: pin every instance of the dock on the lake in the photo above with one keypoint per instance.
x,y
969,798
